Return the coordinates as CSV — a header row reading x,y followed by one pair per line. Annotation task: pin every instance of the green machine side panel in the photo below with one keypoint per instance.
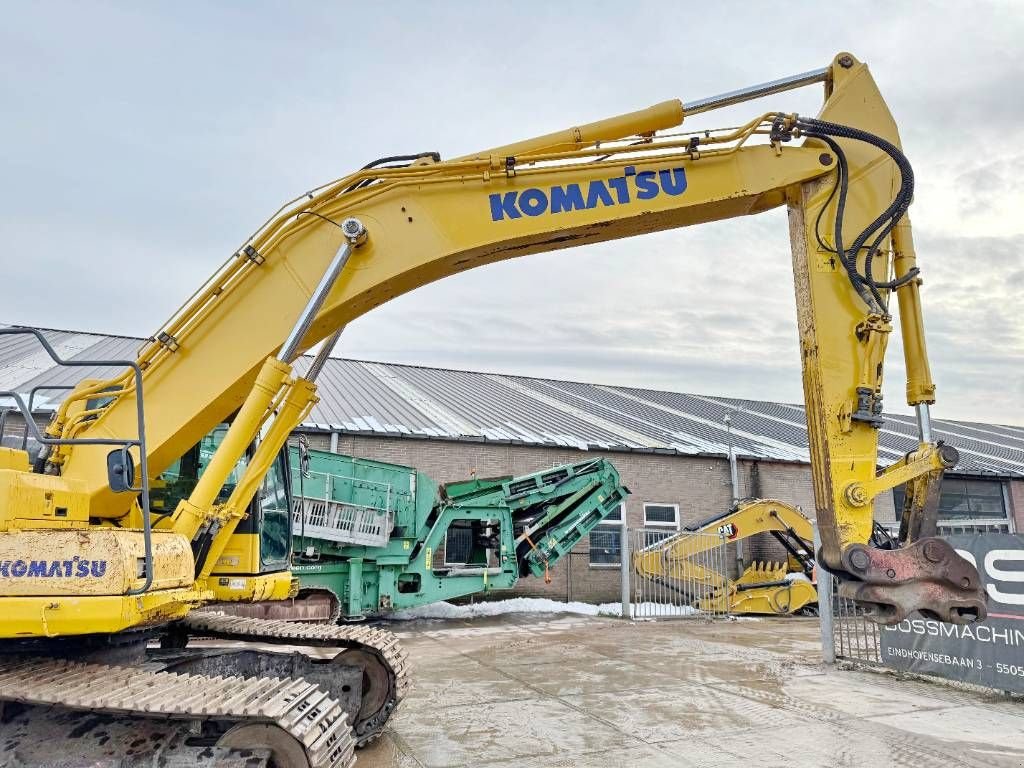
x,y
509,527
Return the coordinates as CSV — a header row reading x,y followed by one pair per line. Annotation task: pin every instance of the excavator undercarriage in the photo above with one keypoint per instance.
x,y
306,694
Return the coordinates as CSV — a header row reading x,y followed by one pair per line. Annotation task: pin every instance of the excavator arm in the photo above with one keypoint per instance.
x,y
763,587
342,249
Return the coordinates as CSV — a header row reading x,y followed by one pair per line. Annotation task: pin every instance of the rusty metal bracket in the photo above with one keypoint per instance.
x,y
926,576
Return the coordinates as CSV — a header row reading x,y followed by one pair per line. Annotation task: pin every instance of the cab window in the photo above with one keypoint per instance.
x,y
275,527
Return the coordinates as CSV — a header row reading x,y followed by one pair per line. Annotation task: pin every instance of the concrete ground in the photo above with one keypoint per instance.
x,y
559,692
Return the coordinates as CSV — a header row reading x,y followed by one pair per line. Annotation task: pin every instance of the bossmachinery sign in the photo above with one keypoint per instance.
x,y
990,653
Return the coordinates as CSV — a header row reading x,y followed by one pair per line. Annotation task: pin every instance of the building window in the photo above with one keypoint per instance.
x,y
657,516
606,541
458,544
966,506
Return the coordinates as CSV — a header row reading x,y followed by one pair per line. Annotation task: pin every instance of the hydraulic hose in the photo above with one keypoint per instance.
x,y
884,223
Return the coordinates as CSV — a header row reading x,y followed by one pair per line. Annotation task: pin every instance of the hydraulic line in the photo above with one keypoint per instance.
x,y
393,161
883,224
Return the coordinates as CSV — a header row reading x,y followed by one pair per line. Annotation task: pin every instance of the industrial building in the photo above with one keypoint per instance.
x,y
672,449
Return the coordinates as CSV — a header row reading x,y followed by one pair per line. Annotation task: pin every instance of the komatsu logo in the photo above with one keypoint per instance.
x,y
76,567
618,190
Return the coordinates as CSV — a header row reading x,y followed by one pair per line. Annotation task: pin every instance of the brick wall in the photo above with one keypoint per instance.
x,y
14,427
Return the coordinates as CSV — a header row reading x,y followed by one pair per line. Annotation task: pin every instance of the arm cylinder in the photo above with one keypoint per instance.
x,y
667,114
920,387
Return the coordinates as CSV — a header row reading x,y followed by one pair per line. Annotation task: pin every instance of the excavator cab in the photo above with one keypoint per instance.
x,y
258,555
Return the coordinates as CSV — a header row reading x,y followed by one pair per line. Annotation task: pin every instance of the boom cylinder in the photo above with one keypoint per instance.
x,y
354,234
192,513
322,356
295,406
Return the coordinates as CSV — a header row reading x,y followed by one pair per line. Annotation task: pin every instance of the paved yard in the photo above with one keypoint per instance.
x,y
559,692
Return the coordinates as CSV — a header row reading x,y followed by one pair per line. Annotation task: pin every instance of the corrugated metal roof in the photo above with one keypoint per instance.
x,y
415,401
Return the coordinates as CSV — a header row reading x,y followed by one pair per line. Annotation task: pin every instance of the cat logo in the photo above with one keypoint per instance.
x,y
729,530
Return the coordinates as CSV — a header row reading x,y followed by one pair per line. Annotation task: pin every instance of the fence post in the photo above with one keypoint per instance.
x,y
826,619
624,565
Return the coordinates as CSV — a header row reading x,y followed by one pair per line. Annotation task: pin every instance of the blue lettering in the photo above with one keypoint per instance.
x,y
504,205
598,191
621,190
673,182
646,185
533,202
567,198
38,569
562,199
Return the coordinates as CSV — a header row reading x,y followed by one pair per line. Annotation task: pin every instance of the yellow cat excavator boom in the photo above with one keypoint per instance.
x,y
764,587
86,562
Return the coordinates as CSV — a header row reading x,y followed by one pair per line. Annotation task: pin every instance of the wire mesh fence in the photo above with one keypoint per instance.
x,y
854,638
846,636
676,574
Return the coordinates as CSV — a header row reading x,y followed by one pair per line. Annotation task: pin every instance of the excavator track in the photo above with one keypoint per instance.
x,y
300,722
389,680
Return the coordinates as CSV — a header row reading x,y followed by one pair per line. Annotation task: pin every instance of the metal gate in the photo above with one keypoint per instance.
x,y
693,580
845,634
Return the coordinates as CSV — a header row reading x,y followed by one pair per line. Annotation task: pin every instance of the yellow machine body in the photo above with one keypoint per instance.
x,y
222,353
758,591
233,579
61,576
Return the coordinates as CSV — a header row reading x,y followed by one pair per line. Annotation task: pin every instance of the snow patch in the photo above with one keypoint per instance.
x,y
536,605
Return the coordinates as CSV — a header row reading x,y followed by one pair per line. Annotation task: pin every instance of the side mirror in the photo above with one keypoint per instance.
x,y
121,470
303,456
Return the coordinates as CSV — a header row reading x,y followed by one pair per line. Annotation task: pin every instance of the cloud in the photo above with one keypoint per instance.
x,y
143,144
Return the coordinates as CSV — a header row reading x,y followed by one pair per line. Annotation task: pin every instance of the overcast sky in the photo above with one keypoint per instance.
x,y
140,143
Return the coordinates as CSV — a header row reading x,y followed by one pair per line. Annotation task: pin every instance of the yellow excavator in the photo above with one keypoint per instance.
x,y
764,587
99,589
